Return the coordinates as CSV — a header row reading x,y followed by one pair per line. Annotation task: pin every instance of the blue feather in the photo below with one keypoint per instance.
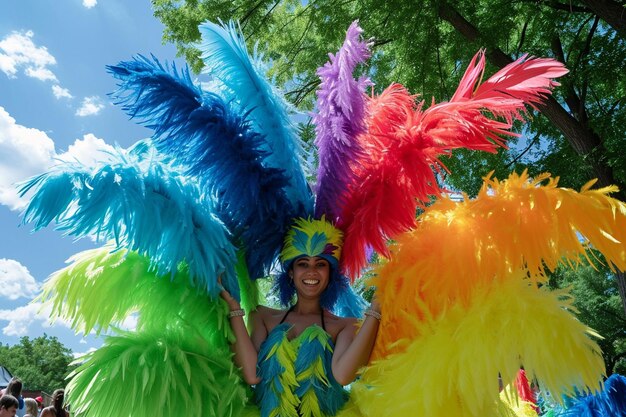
x,y
610,402
315,345
215,144
270,393
349,303
146,206
226,58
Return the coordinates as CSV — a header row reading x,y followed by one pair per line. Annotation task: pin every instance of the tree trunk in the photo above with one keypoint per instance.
x,y
581,138
611,12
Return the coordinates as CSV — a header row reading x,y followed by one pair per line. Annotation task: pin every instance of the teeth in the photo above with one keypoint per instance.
x,y
311,281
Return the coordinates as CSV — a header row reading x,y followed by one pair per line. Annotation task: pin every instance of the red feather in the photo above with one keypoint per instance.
x,y
403,144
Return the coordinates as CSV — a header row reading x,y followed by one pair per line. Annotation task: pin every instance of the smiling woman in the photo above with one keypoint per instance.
x,y
307,331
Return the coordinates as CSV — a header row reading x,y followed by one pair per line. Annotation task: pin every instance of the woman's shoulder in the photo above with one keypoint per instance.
x,y
339,322
265,311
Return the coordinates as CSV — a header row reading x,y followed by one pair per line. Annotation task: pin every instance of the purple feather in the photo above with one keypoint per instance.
x,y
340,118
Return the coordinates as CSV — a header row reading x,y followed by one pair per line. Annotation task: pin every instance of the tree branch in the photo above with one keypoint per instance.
x,y
611,12
518,157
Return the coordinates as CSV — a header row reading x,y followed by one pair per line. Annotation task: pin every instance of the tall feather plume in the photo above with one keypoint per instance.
x,y
146,206
215,144
226,58
340,118
517,224
404,145
101,288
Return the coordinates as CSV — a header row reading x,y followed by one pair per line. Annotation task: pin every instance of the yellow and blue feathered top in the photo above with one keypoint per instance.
x,y
296,375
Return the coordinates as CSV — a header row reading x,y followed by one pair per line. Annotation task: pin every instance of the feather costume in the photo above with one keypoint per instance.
x,y
221,183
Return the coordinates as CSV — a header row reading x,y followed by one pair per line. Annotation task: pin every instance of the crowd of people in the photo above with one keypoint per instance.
x,y
12,403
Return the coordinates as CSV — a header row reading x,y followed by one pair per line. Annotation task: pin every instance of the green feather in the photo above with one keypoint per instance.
x,y
157,373
100,289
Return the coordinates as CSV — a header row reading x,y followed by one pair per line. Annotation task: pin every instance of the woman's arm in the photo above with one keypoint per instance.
x,y
245,352
353,349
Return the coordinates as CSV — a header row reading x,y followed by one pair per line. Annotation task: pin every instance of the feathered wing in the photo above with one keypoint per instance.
x,y
102,288
215,144
137,199
226,59
458,311
339,120
512,225
403,146
178,357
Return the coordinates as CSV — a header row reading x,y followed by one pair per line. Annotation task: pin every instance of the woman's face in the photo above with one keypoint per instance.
x,y
310,276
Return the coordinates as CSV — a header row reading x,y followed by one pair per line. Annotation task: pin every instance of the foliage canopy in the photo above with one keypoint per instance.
x,y
42,363
427,47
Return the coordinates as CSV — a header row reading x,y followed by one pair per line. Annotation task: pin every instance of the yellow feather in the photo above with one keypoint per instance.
x,y
452,368
511,225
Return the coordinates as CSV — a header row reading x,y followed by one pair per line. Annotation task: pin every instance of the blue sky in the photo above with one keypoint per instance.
x,y
54,105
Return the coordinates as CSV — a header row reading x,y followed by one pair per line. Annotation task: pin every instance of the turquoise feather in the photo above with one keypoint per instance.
x,y
226,58
140,201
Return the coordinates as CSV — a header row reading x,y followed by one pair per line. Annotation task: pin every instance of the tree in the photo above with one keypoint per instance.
x,y
578,135
41,363
597,300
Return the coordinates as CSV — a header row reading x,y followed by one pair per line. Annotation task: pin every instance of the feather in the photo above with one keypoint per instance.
x,y
156,373
226,59
403,146
275,392
339,119
610,402
146,206
511,225
101,288
215,144
451,368
524,391
320,394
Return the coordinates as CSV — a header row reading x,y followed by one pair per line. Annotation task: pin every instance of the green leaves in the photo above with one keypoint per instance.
x,y
42,363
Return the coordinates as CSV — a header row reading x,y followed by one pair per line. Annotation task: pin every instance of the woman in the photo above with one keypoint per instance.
x,y
314,351
56,409
31,408
15,389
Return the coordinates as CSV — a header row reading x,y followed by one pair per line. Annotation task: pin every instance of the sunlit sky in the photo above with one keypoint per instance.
x,y
54,105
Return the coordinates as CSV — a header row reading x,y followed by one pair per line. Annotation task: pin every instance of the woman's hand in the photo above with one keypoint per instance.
x,y
232,303
375,305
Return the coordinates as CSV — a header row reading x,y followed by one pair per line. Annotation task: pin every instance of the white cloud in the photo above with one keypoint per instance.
x,y
25,152
60,92
129,323
16,281
18,50
40,73
90,106
22,318
80,354
88,151
90,3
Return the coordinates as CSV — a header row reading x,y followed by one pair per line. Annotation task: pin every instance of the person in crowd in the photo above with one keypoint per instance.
x,y
39,404
15,389
56,409
31,408
8,406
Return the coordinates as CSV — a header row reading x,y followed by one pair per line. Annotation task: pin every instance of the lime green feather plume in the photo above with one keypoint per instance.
x,y
157,373
101,288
